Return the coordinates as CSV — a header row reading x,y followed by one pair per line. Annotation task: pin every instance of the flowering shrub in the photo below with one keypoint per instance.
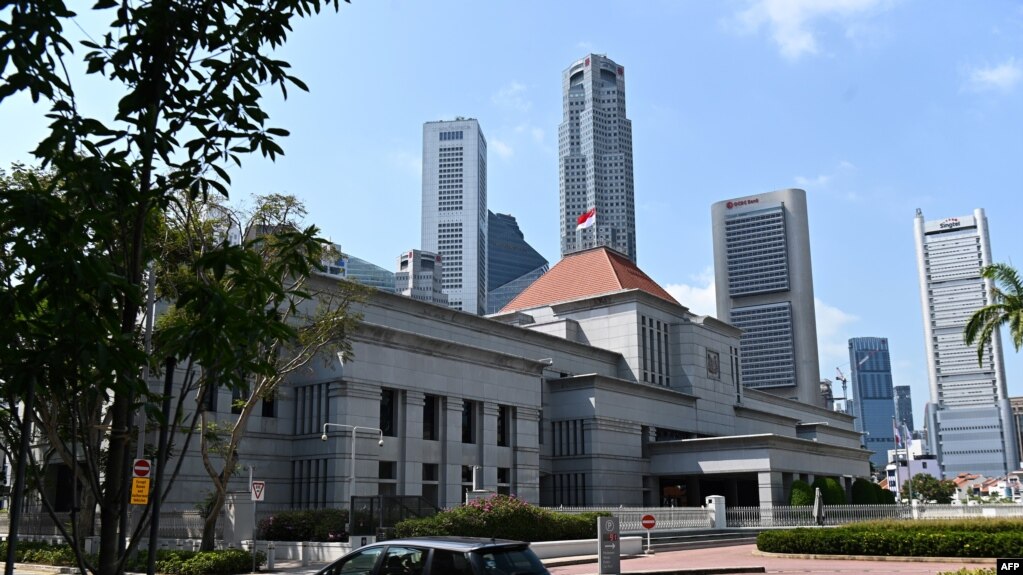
x,y
503,517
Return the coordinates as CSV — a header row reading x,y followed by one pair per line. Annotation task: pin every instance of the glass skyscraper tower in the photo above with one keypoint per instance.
x,y
969,419
871,367
595,158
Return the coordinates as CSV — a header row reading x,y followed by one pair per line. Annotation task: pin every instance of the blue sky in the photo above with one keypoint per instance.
x,y
875,107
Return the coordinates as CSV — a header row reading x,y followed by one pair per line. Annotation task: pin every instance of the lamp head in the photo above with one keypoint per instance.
x,y
323,437
381,442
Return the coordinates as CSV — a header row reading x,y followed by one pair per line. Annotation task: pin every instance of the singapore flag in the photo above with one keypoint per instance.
x,y
586,220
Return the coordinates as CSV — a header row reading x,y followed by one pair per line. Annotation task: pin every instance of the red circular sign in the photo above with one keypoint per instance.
x,y
141,468
649,522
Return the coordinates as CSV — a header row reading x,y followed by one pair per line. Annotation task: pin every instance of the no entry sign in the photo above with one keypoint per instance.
x,y
648,521
141,468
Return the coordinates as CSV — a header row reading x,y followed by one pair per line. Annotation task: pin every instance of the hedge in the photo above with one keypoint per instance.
x,y
503,517
981,538
305,525
174,562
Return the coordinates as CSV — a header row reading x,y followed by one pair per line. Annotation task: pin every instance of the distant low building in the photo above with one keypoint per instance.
x,y
419,277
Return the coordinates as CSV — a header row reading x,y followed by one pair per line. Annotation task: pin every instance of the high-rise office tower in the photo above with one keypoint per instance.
x,y
455,209
419,277
969,420
512,263
871,371
1016,404
765,286
904,406
595,158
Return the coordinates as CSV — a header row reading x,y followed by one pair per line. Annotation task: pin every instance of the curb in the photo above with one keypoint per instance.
x,y
896,558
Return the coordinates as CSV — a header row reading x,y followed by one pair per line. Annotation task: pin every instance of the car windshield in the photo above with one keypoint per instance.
x,y
519,561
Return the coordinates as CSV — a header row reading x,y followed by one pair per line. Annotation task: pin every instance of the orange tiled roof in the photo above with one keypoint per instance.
x,y
593,272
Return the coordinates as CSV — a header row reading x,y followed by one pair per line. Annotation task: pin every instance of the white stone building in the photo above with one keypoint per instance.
x,y
592,387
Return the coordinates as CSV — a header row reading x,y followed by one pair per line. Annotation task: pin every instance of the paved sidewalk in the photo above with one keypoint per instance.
x,y
746,556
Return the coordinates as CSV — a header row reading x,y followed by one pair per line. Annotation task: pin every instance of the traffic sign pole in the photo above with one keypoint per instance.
x,y
648,522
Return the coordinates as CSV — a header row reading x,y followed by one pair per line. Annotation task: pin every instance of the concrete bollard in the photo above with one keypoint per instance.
x,y
716,507
271,555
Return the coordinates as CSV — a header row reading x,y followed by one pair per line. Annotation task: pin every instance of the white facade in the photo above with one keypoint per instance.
x,y
454,211
764,281
969,418
595,157
419,277
552,410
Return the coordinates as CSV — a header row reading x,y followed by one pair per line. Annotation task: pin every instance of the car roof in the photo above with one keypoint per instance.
x,y
461,544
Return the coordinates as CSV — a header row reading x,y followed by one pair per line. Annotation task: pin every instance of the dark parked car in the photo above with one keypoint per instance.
x,y
439,556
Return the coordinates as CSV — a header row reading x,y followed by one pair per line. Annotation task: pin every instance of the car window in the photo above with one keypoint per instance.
x,y
449,563
520,561
403,561
361,563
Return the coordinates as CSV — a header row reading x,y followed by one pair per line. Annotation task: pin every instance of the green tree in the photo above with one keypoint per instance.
x,y
75,249
1006,308
928,488
864,492
262,288
831,490
801,493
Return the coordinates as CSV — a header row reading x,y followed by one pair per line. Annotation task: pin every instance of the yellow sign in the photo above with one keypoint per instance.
x,y
140,491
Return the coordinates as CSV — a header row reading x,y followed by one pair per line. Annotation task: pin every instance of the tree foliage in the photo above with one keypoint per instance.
x,y
75,245
250,315
831,490
928,488
864,492
1006,308
801,493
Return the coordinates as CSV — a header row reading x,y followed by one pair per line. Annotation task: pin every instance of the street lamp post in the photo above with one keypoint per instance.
x,y
351,473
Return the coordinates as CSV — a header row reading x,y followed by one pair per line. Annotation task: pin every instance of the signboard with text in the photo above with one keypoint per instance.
x,y
140,491
609,545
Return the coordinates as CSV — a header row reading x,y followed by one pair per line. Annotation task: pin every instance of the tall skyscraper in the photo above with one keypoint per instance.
x,y
765,286
455,209
871,371
595,158
904,406
969,419
512,263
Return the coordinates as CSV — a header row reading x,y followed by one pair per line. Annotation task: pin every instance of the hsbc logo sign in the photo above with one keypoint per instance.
x,y
739,203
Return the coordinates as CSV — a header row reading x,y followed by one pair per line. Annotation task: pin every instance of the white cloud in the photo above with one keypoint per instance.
x,y
502,149
1003,77
700,298
833,335
512,97
791,21
585,46
818,182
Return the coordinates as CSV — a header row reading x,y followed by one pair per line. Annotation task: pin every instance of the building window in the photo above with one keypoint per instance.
x,y
388,406
388,470
468,421
431,472
504,480
504,415
431,417
209,400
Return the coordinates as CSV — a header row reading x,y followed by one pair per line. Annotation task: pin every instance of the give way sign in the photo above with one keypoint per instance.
x,y
258,490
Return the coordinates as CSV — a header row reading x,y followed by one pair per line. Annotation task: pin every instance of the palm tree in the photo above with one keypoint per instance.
x,y
1006,307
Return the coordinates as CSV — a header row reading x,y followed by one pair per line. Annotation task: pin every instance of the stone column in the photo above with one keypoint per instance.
x,y
451,464
526,455
772,488
410,472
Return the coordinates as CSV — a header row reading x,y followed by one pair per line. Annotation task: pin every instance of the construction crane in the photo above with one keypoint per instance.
x,y
845,384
